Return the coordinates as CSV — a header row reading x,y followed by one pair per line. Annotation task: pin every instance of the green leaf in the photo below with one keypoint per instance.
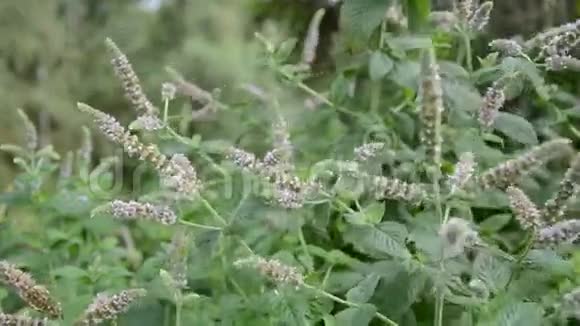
x,y
495,223
406,43
363,292
362,17
383,241
359,316
492,271
418,13
516,128
371,214
379,65
70,272
521,313
512,65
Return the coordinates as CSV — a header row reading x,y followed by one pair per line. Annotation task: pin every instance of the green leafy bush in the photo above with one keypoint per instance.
x,y
416,184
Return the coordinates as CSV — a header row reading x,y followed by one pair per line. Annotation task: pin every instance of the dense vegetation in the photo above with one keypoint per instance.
x,y
357,162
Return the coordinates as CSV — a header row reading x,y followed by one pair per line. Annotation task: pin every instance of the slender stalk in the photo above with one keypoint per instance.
x,y
165,111
304,245
178,307
468,51
213,212
348,303
201,226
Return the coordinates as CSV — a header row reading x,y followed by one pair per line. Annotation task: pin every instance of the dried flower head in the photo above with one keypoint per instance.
x,y
131,84
524,209
508,172
562,62
147,122
168,91
456,234
493,101
36,296
542,39
480,18
463,171
506,47
187,88
559,233
281,144
560,45
571,303
432,107
108,307
133,210
464,10
444,20
66,166
86,151
15,320
395,189
180,176
177,258
556,206
116,133
241,158
368,151
273,269
30,132
312,37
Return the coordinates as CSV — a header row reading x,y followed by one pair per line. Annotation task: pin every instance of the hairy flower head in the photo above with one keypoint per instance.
x,y
456,234
493,101
36,296
556,206
133,210
524,209
463,171
508,172
368,151
30,132
431,107
273,269
312,37
563,232
480,18
395,189
108,307
131,84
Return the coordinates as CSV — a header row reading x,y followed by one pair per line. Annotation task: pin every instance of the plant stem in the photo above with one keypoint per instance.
x,y
304,245
201,226
348,303
468,54
213,212
178,313
165,111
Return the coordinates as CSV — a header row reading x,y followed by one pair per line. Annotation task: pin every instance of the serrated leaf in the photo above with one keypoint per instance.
x,y
550,261
521,313
495,223
371,214
379,65
384,240
362,17
69,272
359,316
406,43
516,128
363,291
511,65
494,272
